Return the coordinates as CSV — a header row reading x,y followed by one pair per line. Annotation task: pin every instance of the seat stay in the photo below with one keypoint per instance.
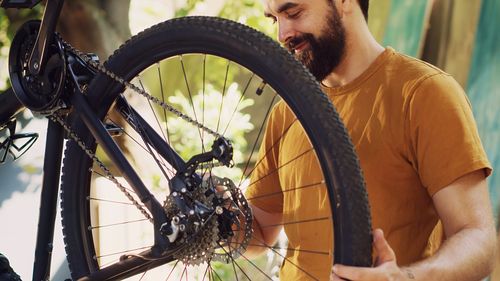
x,y
45,36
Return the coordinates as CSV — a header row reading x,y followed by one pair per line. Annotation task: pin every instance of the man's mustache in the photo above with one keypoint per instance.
x,y
293,42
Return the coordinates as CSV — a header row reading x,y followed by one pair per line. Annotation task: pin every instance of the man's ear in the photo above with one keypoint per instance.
x,y
344,6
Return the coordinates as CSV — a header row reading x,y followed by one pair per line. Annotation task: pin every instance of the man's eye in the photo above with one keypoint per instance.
x,y
294,15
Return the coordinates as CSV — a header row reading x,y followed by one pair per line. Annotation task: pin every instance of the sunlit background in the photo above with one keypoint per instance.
x,y
458,36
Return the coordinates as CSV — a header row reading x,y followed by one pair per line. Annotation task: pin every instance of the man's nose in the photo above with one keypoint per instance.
x,y
285,31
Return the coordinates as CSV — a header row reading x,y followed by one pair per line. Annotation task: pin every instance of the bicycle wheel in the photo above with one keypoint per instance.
x,y
231,79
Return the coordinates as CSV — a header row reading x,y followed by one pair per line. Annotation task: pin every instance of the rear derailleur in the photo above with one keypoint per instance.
x,y
209,218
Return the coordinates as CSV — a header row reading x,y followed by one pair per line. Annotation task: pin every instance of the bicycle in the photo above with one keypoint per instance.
x,y
191,211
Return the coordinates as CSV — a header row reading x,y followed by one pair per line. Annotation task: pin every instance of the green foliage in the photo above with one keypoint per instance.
x,y
4,23
251,13
184,11
269,264
4,43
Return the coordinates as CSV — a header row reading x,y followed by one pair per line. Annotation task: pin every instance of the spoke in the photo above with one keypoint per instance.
x,y
317,184
295,222
164,114
205,274
261,129
145,139
169,168
270,148
143,274
287,259
123,252
288,249
110,201
189,92
176,262
203,104
162,99
216,274
238,104
254,265
275,170
115,224
235,263
223,93
184,271
210,278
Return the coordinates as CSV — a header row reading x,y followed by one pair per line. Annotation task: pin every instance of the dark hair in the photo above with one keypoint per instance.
x,y
364,7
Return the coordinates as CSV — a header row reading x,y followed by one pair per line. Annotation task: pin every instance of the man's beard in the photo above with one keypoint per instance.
x,y
323,54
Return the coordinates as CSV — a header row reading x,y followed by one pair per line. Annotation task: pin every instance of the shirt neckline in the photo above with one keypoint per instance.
x,y
377,63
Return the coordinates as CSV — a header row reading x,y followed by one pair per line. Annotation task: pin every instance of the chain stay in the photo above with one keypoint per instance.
x,y
57,118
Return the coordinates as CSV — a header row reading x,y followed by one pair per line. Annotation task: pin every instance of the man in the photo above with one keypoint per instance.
x,y
418,145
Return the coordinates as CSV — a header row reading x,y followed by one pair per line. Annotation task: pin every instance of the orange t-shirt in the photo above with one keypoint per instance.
x,y
414,133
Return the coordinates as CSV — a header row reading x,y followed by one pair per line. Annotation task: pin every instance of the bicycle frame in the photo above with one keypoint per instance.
x,y
53,158
48,201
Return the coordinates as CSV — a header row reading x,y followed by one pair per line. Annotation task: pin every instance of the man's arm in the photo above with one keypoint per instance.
x,y
266,228
468,252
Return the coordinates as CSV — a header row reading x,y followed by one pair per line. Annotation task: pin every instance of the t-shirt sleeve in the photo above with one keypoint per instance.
x,y
444,140
264,190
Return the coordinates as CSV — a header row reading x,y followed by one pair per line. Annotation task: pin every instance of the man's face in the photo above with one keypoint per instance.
x,y
312,30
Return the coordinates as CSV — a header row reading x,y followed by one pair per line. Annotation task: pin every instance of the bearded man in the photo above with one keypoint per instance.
x,y
418,145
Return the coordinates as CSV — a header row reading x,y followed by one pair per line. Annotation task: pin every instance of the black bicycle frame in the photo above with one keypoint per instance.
x,y
53,158
43,40
48,201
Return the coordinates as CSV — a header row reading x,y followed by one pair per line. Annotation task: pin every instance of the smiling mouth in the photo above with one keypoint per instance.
x,y
299,48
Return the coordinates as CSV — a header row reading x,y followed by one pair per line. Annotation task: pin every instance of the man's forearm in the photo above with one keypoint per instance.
x,y
266,228
466,256
256,246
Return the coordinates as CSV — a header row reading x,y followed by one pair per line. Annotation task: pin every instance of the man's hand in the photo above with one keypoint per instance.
x,y
385,268
468,253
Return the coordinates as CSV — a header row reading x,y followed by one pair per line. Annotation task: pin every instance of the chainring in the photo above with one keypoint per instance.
x,y
40,93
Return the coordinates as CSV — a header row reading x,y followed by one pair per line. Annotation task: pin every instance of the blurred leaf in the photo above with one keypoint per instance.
x,y
184,11
251,13
31,169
